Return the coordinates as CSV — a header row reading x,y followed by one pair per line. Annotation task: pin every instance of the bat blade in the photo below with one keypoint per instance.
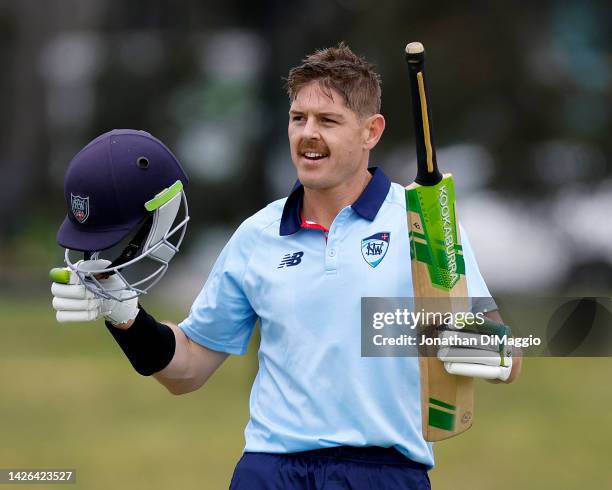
x,y
438,268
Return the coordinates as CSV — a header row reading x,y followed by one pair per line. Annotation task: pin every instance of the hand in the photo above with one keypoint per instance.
x,y
73,302
482,359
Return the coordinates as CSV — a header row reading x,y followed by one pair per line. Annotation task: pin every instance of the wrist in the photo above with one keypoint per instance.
x,y
148,344
122,325
123,314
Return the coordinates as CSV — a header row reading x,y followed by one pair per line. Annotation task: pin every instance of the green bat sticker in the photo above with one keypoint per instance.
x,y
433,234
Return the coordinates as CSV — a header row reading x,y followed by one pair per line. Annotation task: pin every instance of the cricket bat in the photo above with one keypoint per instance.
x,y
438,268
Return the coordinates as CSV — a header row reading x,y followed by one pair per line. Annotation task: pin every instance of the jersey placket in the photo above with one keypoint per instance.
x,y
332,241
333,244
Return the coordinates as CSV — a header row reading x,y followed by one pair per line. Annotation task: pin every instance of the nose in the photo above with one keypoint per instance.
x,y
311,129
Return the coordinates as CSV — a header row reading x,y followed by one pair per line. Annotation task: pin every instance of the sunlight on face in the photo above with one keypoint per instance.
x,y
326,139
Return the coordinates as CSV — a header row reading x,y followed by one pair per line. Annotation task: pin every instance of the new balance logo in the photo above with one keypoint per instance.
x,y
291,259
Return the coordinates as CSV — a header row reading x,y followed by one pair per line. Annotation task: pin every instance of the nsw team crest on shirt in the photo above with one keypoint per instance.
x,y
374,248
80,207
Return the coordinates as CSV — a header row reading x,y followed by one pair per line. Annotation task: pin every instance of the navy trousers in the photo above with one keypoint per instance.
x,y
337,468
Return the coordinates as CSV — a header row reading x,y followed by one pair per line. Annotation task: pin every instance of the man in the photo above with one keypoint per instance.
x,y
321,416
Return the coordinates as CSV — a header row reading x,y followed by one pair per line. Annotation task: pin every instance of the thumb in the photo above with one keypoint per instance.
x,y
63,275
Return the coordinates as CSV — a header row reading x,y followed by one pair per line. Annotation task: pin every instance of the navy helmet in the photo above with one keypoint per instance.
x,y
124,183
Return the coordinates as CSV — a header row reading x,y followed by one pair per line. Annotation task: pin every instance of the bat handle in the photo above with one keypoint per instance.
x,y
427,166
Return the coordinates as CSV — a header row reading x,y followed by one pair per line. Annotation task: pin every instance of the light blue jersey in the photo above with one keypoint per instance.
x,y
313,389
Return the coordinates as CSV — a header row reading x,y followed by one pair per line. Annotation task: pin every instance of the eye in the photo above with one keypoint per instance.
x,y
328,120
297,117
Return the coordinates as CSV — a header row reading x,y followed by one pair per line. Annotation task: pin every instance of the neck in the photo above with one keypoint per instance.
x,y
323,205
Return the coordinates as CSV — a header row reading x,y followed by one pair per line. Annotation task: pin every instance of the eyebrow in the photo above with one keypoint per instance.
x,y
334,115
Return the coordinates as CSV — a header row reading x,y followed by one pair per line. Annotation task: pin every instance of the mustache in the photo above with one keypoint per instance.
x,y
310,146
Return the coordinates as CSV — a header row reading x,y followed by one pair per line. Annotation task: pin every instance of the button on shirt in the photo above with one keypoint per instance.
x,y
313,389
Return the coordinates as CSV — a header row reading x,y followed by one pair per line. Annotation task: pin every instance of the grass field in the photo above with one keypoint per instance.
x,y
69,399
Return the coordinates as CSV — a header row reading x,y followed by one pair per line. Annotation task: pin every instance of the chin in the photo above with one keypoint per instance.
x,y
315,185
316,176
307,180
313,181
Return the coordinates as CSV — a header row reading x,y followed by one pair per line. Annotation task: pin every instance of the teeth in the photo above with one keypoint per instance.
x,y
311,154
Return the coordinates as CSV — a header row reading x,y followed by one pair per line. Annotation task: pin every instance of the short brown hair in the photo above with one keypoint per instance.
x,y
340,69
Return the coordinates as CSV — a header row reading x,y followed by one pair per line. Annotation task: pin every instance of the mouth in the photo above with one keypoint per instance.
x,y
314,156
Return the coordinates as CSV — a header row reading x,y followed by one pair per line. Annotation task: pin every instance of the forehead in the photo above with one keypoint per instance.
x,y
313,97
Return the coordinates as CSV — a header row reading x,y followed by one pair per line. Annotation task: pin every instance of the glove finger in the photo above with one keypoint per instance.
x,y
67,304
483,361
474,339
76,316
73,291
63,275
477,370
470,356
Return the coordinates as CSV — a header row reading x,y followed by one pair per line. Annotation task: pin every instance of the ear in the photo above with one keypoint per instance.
x,y
373,128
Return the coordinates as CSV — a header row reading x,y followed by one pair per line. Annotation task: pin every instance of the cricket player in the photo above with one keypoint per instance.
x,y
321,416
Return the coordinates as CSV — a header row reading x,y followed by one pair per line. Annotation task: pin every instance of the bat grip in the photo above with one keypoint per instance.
x,y
427,166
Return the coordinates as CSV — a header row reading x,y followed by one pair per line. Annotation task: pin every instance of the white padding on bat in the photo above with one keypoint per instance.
x,y
477,370
471,356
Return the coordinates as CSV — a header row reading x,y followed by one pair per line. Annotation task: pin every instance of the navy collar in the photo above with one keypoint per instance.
x,y
366,205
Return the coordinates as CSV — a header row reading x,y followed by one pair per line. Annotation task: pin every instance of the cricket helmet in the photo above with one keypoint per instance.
x,y
125,185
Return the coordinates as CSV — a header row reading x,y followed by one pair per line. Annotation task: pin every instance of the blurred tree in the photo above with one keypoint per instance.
x,y
526,87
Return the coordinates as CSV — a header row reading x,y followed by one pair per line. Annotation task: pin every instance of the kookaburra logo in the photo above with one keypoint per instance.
x,y
449,238
80,207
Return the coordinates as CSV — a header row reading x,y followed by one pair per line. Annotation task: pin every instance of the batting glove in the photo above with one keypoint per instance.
x,y
483,358
73,302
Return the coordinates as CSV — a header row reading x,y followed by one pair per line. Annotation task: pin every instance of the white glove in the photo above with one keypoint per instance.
x,y
483,361
73,302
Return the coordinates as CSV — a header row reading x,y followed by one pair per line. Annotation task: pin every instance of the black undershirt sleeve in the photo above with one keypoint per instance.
x,y
148,344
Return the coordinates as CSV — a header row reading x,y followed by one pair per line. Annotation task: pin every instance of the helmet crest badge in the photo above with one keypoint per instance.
x,y
80,207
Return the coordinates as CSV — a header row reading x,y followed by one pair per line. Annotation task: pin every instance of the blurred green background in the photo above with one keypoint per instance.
x,y
70,399
520,97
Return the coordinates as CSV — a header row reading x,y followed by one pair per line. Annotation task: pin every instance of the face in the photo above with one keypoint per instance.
x,y
329,143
